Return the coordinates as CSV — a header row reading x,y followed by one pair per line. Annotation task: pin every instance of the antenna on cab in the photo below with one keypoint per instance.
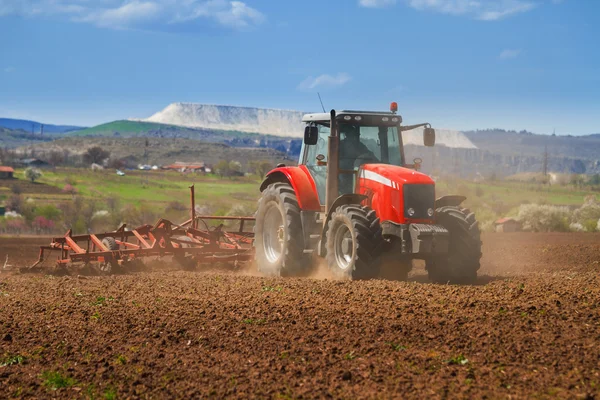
x,y
322,106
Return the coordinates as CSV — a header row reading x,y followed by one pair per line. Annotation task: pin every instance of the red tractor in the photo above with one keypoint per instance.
x,y
356,202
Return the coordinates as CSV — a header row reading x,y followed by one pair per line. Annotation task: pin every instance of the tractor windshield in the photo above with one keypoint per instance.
x,y
368,144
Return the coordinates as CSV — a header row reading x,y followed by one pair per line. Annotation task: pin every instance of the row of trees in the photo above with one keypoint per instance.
x,y
97,155
58,158
234,168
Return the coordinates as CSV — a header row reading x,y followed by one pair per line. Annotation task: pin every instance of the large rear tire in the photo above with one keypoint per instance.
x,y
462,262
278,235
354,243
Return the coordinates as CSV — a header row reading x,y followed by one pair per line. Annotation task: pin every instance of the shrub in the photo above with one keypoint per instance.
x,y
69,189
42,225
49,212
15,203
544,218
589,212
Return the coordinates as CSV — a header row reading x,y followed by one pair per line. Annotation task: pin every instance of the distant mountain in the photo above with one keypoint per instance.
x,y
35,127
231,118
505,153
10,138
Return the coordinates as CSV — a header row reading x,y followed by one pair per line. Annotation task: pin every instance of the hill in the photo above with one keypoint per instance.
x,y
35,127
10,138
161,151
129,129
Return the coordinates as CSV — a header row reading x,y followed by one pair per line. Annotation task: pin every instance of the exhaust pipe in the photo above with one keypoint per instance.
x,y
333,158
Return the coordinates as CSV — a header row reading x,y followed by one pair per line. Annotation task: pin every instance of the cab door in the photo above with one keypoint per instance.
x,y
314,157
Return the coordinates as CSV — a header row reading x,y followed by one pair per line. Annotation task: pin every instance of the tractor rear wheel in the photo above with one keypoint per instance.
x,y
354,243
278,235
462,262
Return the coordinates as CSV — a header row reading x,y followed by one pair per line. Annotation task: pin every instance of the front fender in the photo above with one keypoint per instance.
x,y
302,183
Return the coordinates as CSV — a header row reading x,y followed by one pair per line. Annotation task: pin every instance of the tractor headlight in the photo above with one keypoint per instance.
x,y
430,212
411,212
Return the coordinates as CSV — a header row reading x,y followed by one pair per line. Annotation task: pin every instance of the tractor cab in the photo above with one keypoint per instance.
x,y
364,138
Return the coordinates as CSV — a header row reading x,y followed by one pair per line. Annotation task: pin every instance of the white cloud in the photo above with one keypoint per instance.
x,y
376,3
234,14
485,10
123,14
509,53
324,80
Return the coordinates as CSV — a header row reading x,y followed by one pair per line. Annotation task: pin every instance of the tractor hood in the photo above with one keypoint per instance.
x,y
392,175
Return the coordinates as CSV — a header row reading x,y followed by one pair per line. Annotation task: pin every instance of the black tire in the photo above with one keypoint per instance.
x,y
279,251
462,262
110,265
110,243
354,243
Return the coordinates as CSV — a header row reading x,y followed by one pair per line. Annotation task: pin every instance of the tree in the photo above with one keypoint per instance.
x,y
235,168
222,168
95,155
33,174
260,168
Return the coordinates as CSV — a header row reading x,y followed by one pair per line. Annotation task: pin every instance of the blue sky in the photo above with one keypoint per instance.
x,y
463,64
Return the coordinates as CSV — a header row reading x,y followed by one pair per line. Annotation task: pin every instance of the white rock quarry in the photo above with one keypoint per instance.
x,y
244,119
272,122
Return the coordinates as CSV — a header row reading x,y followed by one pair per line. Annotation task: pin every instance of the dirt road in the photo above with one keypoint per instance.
x,y
529,328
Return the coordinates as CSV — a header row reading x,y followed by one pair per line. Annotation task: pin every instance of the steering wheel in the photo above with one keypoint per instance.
x,y
365,156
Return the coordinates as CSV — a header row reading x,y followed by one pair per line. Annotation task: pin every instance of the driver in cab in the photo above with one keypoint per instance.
x,y
353,152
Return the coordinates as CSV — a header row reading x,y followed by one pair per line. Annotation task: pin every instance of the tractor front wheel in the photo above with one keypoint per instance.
x,y
462,262
278,236
354,243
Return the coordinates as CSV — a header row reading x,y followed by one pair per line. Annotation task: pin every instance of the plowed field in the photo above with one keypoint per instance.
x,y
529,328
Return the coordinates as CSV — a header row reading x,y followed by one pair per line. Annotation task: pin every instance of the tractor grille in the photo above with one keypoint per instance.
x,y
420,198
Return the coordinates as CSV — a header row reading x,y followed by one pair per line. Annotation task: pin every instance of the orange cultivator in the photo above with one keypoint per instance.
x,y
124,249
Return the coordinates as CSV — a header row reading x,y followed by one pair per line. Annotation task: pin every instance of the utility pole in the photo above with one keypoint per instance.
x,y
42,130
545,161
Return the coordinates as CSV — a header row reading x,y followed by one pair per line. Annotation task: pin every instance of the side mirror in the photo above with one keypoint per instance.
x,y
311,135
429,137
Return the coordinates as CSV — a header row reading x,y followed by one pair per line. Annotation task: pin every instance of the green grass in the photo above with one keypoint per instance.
x,y
55,380
123,127
12,360
154,186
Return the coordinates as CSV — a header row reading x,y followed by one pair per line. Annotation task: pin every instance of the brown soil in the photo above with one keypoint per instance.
x,y
27,187
529,328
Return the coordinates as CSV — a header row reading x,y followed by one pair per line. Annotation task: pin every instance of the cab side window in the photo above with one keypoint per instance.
x,y
320,148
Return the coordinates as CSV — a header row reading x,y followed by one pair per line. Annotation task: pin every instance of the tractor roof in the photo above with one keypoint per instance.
x,y
317,117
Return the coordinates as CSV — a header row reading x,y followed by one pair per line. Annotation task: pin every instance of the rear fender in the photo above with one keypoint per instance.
x,y
302,183
350,198
452,200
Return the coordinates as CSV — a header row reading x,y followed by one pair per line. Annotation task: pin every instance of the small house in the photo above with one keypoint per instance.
x,y
6,172
34,163
186,167
507,225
